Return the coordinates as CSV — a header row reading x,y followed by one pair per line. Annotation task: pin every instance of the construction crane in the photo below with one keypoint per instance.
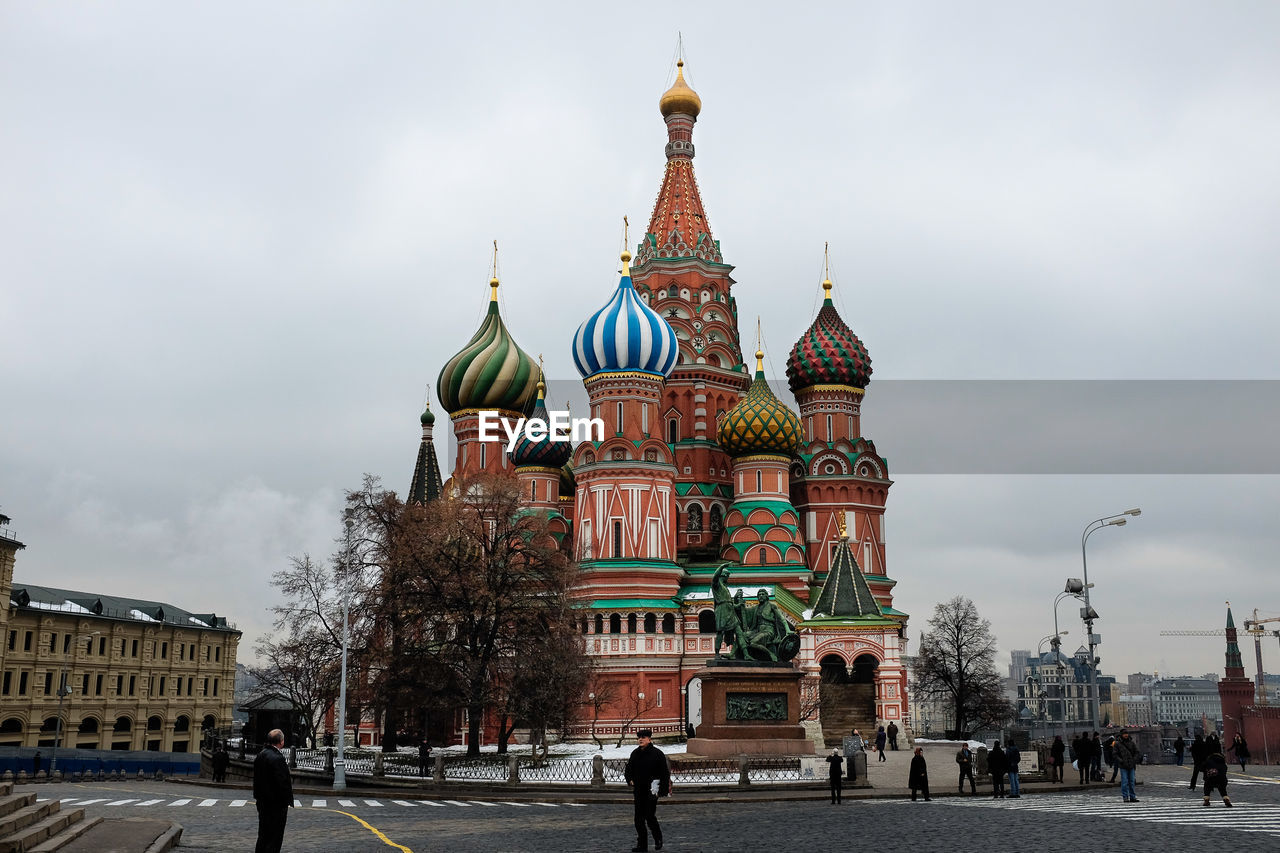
x,y
1254,627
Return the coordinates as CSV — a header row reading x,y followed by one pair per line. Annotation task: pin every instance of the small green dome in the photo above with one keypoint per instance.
x,y
760,422
427,417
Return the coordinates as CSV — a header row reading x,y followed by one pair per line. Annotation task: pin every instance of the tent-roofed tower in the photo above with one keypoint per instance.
x,y
681,274
1236,690
427,484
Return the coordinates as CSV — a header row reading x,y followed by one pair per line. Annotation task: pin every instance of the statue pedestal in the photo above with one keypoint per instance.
x,y
750,708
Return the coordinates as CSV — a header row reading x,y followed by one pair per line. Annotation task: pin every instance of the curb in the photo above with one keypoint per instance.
x,y
168,839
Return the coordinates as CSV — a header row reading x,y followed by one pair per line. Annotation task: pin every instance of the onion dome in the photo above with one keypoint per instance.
x,y
490,372
568,481
829,353
760,422
428,418
543,451
680,98
625,335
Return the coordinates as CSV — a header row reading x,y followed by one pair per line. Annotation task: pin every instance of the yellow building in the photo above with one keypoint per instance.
x,y
120,673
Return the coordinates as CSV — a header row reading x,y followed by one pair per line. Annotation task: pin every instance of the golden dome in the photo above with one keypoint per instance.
x,y
680,98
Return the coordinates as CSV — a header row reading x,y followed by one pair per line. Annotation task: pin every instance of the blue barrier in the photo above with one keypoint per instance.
x,y
71,760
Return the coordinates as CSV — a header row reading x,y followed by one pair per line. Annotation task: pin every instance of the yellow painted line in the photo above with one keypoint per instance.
x,y
374,830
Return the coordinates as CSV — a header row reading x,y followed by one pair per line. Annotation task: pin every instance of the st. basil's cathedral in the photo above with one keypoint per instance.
x,y
700,463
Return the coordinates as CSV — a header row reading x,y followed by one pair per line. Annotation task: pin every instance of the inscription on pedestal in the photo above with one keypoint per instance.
x,y
755,706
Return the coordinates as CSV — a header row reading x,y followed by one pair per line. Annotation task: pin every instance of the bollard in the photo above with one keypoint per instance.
x,y
859,762
743,778
40,776
513,769
22,777
328,760
7,777
379,767
293,757
140,776
159,775
437,772
597,771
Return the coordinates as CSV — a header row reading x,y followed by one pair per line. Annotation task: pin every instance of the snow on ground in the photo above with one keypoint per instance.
x,y
973,744
558,750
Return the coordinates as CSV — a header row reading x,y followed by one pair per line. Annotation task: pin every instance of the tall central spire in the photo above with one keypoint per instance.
x,y
678,227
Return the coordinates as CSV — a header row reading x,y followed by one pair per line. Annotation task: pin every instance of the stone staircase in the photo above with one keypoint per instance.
x,y
30,827
846,707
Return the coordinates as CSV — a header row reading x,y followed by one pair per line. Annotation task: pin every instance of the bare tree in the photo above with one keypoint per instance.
x,y
956,662
635,705
601,693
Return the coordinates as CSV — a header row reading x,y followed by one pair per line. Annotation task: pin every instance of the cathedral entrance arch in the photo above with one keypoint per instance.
x,y
848,697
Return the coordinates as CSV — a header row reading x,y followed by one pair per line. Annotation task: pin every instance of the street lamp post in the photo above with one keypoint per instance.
x,y
1087,613
64,690
340,761
1055,642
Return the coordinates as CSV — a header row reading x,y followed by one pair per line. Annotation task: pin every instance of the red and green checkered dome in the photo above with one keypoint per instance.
x,y
829,353
759,423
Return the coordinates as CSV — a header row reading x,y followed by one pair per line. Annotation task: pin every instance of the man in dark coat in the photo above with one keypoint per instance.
x,y
1179,747
1013,757
919,778
1127,761
835,759
996,766
1198,756
1095,756
272,793
892,731
964,758
1080,746
649,776
1057,752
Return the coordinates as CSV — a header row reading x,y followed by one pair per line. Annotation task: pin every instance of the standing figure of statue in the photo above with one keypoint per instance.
x,y
728,612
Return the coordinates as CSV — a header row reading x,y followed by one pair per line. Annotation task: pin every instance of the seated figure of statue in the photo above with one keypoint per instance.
x,y
765,634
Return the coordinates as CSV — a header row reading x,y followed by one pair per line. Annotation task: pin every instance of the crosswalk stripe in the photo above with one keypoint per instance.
x,y
549,805
297,804
374,803
517,805
150,802
319,804
121,802
205,803
429,803
91,802
235,804
174,803
456,803
484,803
1188,811
348,803
406,803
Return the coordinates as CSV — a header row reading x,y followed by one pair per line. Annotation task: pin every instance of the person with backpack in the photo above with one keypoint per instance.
x,y
996,766
1215,778
1012,757
1127,760
965,759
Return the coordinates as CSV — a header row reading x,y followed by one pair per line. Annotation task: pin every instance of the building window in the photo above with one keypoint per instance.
x,y
190,684
717,519
119,685
164,652
48,683
98,686
669,623
695,519
215,687
599,623
759,482
13,640
177,686
84,685
66,643
102,646
650,623
615,624
631,624
53,643
8,682
707,622
162,678
22,684
217,654
763,555
829,436
619,417
617,539
26,642
659,697
673,431
133,683
135,649
182,651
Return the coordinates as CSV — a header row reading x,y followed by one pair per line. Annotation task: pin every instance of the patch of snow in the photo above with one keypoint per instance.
x,y
197,621
66,606
138,614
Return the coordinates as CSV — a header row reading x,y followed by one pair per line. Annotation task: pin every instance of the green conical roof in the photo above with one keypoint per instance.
x,y
846,594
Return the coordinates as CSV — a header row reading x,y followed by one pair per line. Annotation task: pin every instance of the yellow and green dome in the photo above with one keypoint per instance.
x,y
490,372
760,423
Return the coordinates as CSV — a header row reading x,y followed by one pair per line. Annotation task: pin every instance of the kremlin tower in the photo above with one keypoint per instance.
x,y
700,463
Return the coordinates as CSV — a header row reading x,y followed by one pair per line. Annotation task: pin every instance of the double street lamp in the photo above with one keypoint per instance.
x,y
1076,586
64,690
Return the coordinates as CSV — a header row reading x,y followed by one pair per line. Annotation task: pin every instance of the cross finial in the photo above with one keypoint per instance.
x,y
626,251
826,270
759,349
493,279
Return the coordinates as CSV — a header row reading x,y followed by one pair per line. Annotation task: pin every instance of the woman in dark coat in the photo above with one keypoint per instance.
x,y
836,762
881,737
1240,747
919,778
1215,778
996,766
1057,752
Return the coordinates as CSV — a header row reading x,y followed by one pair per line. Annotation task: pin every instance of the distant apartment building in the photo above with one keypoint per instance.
x,y
109,672
1133,710
1185,699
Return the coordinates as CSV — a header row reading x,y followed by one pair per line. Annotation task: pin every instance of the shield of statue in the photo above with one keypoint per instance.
x,y
789,647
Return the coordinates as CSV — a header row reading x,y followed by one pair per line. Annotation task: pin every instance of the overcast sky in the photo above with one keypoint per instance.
x,y
238,240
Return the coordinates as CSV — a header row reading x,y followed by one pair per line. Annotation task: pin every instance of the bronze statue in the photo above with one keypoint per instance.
x,y
755,633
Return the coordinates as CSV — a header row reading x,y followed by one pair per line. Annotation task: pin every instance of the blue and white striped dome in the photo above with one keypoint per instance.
x,y
625,335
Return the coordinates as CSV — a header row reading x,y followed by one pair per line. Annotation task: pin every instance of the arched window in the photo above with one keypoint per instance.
x,y
49,725
617,539
154,723
182,724
759,482
673,431
209,722
650,623
717,519
599,623
123,724
89,725
631,624
12,726
669,623
533,490
615,624
707,622
762,554
585,626
695,518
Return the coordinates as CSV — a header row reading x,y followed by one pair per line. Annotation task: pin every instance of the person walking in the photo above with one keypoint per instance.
x,y
918,780
36,763
1012,757
1179,747
996,766
272,793
1239,746
649,776
1095,757
965,759
835,775
881,737
1109,756
1198,755
1127,761
1057,752
893,736
1081,747
1215,778
424,759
